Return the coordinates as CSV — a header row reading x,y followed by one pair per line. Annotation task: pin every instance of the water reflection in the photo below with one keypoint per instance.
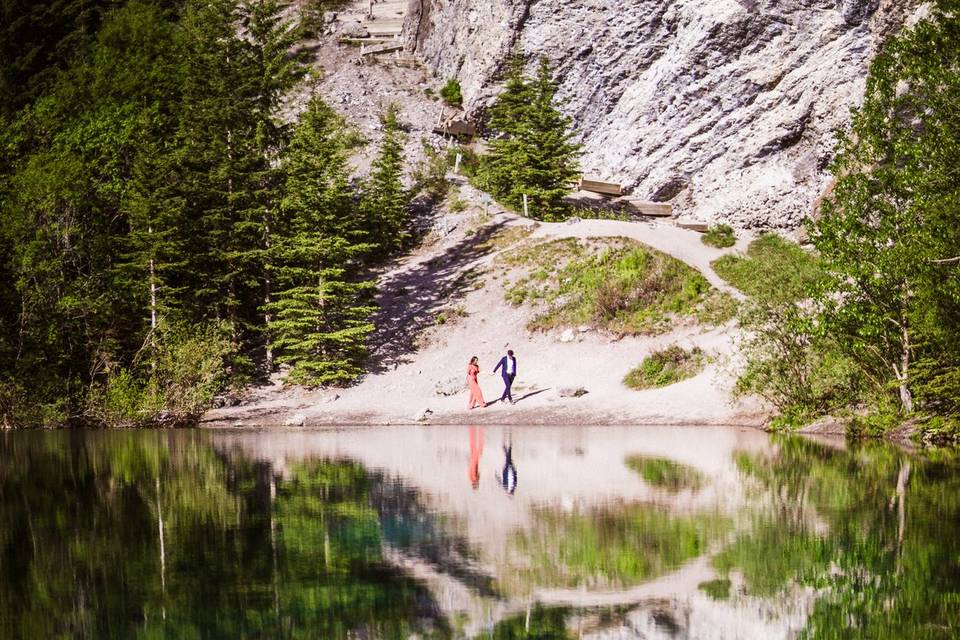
x,y
372,533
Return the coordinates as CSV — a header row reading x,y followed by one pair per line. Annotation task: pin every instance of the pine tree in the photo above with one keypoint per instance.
x,y
534,155
322,309
386,201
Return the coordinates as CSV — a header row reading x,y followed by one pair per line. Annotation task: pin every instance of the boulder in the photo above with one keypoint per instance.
x,y
353,29
568,336
423,415
295,420
571,392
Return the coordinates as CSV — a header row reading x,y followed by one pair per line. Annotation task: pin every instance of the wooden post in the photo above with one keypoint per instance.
x,y
370,15
440,117
526,208
456,165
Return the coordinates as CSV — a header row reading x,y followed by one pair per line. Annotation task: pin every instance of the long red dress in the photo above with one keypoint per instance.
x,y
476,395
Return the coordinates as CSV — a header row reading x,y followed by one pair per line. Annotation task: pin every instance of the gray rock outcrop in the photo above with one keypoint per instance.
x,y
726,108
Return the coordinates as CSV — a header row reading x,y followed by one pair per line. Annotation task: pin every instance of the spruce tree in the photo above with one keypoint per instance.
x,y
386,201
533,155
321,313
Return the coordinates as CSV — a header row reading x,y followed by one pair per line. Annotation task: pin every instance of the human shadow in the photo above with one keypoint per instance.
x,y
530,395
409,300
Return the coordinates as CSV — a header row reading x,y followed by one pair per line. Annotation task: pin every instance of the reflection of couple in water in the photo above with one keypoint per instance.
x,y
507,477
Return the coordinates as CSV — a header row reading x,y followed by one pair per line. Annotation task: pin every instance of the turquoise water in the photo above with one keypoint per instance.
x,y
472,532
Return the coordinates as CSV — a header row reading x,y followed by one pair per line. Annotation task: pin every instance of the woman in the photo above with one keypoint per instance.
x,y
476,395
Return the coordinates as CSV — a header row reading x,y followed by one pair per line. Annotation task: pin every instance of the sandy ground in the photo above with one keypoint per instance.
x,y
413,356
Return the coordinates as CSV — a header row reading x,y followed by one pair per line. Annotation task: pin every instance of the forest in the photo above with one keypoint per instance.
x,y
166,232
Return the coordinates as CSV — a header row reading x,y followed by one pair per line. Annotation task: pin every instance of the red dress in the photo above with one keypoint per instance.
x,y
476,395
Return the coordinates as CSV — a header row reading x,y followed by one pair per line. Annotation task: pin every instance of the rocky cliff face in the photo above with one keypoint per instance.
x,y
727,108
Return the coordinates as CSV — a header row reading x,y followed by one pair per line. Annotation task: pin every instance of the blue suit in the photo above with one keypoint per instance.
x,y
508,371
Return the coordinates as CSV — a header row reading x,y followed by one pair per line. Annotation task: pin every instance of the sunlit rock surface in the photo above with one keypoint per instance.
x,y
727,108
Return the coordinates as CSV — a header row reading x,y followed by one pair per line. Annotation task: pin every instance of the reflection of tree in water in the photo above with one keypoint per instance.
x,y
242,554
609,546
889,560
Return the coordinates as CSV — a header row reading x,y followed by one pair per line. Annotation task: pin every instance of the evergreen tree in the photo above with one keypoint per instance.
x,y
534,155
322,309
386,202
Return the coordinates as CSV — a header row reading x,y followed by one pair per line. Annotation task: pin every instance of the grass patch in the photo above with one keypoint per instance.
x,y
616,284
720,236
664,473
508,237
773,269
666,367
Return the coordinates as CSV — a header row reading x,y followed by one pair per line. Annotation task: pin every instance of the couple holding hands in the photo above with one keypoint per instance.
x,y
508,370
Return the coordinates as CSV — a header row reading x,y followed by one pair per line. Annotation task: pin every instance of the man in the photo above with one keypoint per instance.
x,y
508,369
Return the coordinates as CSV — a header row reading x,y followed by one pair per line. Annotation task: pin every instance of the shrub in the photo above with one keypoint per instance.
x,y
720,236
174,385
666,367
451,93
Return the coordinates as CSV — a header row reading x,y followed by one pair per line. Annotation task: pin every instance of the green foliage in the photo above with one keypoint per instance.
x,y
665,367
320,318
891,221
858,525
664,473
451,93
142,185
773,270
617,285
386,202
533,156
790,363
720,236
173,384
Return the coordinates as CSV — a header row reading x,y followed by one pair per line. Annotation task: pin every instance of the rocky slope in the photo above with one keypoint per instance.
x,y
727,108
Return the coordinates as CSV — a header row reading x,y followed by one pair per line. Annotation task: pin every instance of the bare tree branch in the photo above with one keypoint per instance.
x,y
947,260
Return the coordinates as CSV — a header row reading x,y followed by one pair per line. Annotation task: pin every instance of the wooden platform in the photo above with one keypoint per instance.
x,y
598,186
646,208
383,28
381,49
456,126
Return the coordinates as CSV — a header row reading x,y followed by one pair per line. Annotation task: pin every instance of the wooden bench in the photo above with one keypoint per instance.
x,y
699,227
646,208
598,186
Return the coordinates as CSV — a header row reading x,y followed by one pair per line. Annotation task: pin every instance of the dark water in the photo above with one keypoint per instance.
x,y
456,532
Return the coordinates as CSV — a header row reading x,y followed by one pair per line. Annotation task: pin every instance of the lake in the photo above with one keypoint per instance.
x,y
474,532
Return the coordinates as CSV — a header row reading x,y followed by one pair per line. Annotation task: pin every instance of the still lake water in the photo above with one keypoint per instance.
x,y
487,532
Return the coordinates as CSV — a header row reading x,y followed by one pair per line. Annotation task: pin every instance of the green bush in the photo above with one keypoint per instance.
x,y
173,385
720,236
451,93
666,367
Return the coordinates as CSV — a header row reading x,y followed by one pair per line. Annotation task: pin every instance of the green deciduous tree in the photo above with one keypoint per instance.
x,y
890,232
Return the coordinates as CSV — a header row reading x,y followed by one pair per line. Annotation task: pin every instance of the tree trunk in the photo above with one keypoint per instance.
x,y
903,377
